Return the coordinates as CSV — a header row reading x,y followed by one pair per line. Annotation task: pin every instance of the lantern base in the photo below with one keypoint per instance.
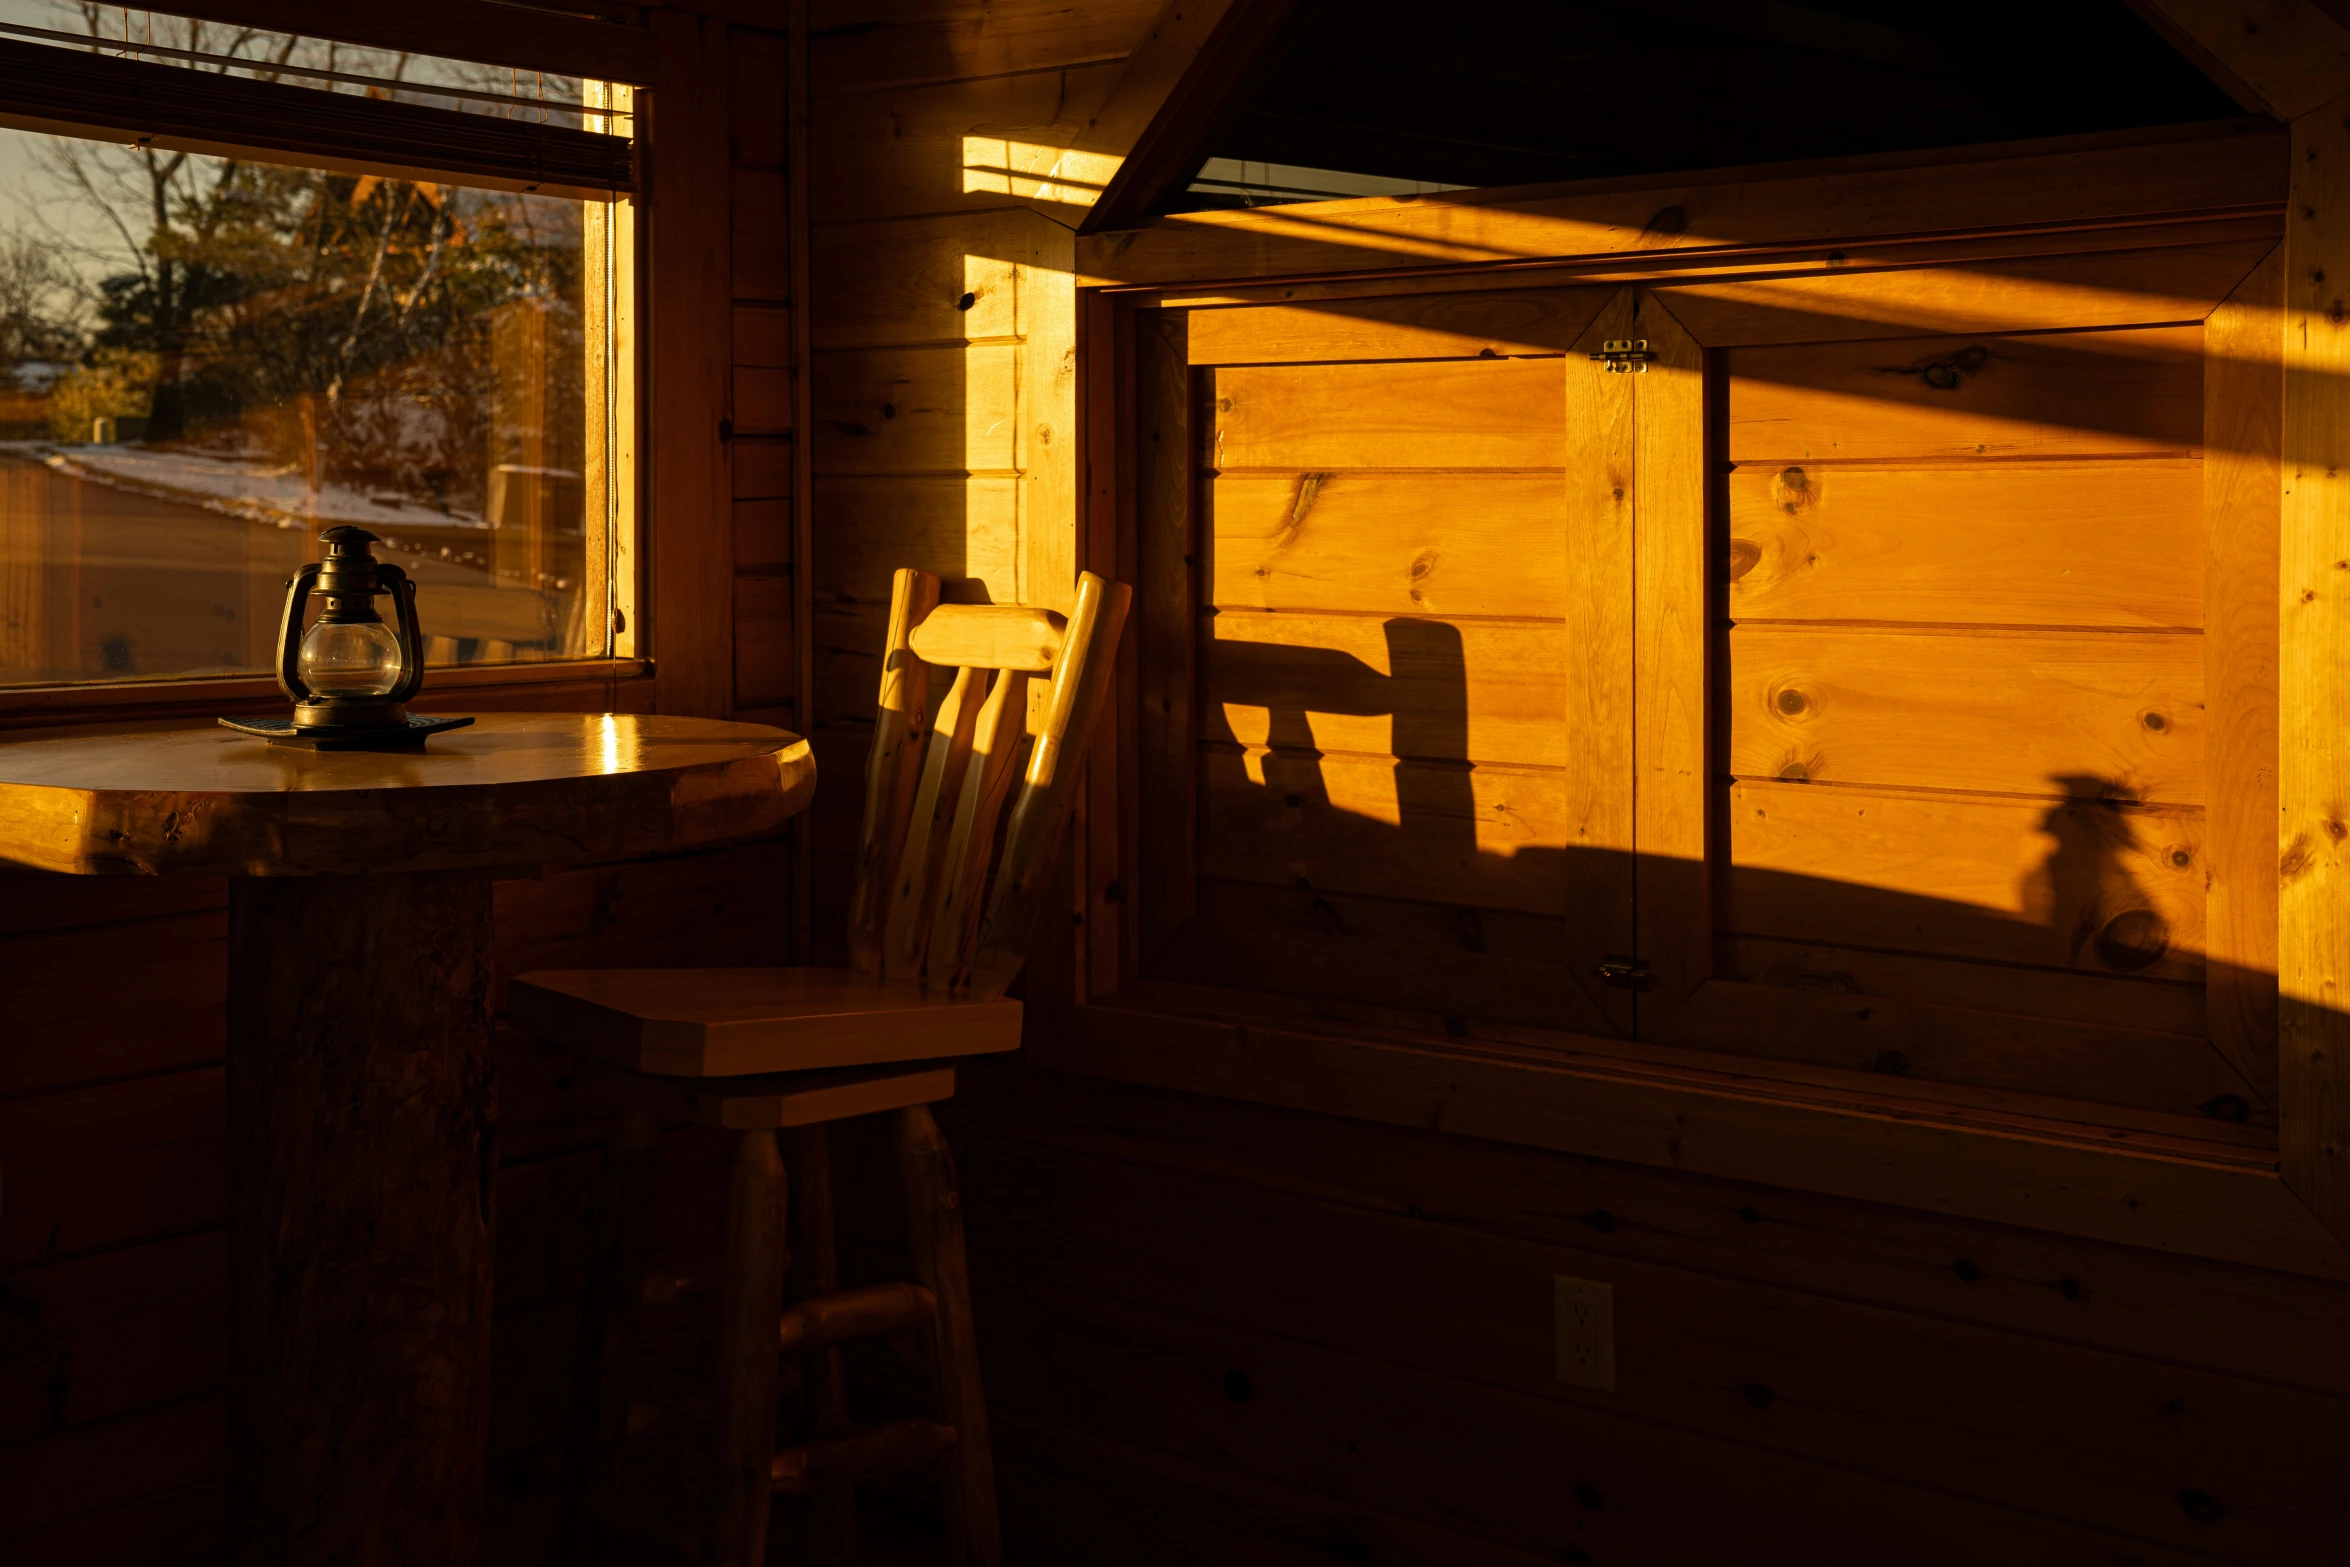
x,y
409,736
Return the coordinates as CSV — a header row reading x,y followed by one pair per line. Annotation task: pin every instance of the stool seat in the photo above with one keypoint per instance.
x,y
733,1022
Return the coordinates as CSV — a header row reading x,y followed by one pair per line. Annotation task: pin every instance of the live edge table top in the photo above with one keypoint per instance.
x,y
515,789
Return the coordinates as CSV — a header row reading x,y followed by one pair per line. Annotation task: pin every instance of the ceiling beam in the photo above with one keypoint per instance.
x,y
1152,127
2277,57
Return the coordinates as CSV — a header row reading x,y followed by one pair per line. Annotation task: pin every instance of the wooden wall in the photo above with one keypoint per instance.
x,y
1218,1332
113,1292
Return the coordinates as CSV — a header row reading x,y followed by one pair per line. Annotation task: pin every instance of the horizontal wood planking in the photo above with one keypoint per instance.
x,y
916,410
858,47
1386,543
71,1019
964,529
2075,182
1416,687
2085,394
1432,960
2108,715
2128,1299
1479,414
762,399
99,1336
106,1165
904,280
757,96
762,334
2016,543
762,532
1066,1491
761,249
144,1488
2063,884
1424,326
1491,837
2139,1005
1931,1403
1989,1038
44,903
2035,294
762,469
764,668
953,147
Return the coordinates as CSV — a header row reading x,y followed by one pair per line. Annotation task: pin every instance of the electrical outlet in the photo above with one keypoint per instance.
x,y
1587,1332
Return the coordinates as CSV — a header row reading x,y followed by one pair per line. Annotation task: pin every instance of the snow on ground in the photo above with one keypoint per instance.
x,y
255,489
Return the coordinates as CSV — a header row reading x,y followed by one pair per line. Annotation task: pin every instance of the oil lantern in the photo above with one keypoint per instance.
x,y
348,674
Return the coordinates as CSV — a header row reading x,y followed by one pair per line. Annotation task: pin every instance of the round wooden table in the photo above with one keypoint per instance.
x,y
362,1149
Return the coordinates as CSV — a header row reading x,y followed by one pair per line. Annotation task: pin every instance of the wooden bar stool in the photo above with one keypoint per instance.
x,y
786,1050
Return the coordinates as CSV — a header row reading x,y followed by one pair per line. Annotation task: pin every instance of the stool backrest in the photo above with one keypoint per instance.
x,y
954,715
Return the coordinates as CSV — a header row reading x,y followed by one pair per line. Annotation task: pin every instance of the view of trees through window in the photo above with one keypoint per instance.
x,y
206,361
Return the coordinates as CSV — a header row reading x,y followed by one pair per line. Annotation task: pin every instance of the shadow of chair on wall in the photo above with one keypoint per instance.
x,y
2083,908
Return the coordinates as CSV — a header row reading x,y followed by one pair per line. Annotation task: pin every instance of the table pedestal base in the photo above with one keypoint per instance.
x,y
361,1165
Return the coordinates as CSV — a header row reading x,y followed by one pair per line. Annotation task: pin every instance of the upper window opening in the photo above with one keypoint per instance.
x,y
257,54
1514,92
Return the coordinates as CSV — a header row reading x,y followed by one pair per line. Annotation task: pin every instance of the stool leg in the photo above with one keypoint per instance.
x,y
934,1217
750,1311
609,1338
831,1514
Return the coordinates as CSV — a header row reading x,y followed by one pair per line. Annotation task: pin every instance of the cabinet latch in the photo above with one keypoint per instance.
x,y
1624,355
1624,973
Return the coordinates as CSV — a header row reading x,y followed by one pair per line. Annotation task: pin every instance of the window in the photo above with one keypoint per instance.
x,y
399,308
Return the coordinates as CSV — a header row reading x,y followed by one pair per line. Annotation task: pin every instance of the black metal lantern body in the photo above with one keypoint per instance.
x,y
349,675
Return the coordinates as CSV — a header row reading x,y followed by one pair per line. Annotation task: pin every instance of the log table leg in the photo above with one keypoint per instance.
x,y
362,1151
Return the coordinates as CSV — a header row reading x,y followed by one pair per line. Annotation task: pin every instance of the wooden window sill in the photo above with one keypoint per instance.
x,y
552,684
1732,1120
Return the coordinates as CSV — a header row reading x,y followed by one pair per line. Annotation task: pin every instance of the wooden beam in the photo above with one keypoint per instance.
x,y
2277,57
2070,182
1178,81
1180,84
2313,667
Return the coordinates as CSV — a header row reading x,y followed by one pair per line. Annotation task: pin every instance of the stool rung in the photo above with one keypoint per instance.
x,y
861,1455
864,1312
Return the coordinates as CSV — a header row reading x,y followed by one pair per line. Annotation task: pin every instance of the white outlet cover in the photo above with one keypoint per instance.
x,y
1586,1332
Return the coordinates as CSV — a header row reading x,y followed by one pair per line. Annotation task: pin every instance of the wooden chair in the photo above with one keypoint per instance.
x,y
764,1051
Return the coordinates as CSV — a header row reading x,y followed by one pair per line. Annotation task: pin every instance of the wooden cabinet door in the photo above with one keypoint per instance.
x,y
1980,811
1375,729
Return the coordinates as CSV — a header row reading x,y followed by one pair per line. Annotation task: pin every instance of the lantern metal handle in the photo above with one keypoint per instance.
x,y
289,635
402,588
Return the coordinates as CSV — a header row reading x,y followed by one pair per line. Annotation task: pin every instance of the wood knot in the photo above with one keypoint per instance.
x,y
1745,555
2133,940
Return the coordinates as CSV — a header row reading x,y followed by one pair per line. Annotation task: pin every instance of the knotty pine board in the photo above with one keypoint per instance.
x,y
2107,714
2012,543
1484,325
2017,881
2081,394
1366,542
1446,414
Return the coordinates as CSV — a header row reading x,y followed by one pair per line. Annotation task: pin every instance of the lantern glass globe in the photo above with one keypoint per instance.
x,y
350,660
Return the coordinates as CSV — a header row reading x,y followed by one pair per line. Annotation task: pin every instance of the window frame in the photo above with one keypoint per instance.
x,y
681,659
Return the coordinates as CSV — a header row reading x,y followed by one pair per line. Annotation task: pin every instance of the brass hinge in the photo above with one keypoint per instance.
x,y
1624,973
1624,355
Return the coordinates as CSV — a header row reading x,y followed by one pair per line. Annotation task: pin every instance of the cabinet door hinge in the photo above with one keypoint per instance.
x,y
1624,355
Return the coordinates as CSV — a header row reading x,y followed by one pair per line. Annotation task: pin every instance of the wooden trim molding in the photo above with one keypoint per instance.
x,y
591,38
67,92
2205,1201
